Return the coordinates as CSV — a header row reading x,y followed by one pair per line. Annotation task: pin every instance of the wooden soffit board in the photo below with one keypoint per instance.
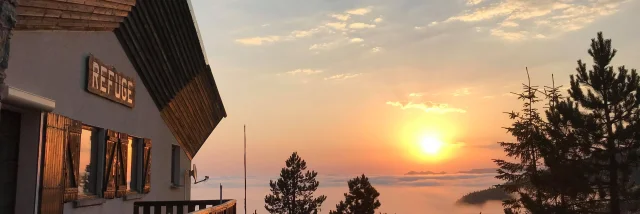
x,y
72,15
166,53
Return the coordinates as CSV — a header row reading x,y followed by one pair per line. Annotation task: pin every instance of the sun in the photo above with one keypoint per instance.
x,y
431,145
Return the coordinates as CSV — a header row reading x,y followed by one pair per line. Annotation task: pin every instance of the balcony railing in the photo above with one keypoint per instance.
x,y
192,207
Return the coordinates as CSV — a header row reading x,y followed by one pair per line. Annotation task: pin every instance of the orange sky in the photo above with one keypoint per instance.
x,y
352,85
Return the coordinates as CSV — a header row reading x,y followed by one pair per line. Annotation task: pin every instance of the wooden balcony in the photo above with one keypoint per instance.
x,y
182,207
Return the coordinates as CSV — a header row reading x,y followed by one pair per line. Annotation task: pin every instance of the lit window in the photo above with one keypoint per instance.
x,y
129,165
87,185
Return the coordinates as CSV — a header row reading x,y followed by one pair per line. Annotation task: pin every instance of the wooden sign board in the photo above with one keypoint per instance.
x,y
103,80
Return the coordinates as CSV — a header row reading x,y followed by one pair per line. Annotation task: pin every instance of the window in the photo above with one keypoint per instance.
x,y
129,165
134,165
87,167
175,165
97,163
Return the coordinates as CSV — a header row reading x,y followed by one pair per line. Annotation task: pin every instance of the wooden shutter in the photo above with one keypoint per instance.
x,y
146,160
53,185
121,174
110,162
71,160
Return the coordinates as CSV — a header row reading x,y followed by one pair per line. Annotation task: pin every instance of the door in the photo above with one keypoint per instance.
x,y
9,141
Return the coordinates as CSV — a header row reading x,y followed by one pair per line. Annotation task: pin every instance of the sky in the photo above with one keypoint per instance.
x,y
359,86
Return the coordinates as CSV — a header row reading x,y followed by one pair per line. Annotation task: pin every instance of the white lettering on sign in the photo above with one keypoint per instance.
x,y
105,81
95,81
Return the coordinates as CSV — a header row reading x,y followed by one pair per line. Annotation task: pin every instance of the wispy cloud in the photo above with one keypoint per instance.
x,y
360,25
304,33
356,40
359,11
473,2
258,40
337,25
376,49
341,17
416,94
461,92
551,17
321,46
339,77
377,20
429,107
304,71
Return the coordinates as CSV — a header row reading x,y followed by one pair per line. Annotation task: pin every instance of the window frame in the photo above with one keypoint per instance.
x,y
175,164
95,167
136,186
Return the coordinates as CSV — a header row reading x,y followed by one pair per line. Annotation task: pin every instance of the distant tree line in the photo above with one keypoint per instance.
x,y
581,154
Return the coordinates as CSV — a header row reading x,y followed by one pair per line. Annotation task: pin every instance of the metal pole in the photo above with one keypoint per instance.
x,y
245,169
220,193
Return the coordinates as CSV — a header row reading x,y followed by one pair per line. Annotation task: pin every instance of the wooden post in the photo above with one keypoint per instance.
x,y
7,22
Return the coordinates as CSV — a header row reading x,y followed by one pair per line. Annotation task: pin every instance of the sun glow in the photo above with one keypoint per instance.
x,y
431,145
433,139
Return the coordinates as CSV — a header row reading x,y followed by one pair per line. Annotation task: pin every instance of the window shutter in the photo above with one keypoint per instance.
x,y
53,185
71,160
121,174
110,162
147,166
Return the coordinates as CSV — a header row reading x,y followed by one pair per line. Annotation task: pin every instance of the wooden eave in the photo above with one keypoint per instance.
x,y
161,41
74,15
166,52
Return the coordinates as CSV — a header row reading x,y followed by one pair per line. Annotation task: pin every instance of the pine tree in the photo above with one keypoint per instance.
x,y
564,181
293,192
603,110
522,177
362,198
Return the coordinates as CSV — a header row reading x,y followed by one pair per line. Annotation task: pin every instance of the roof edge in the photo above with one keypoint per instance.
x,y
195,23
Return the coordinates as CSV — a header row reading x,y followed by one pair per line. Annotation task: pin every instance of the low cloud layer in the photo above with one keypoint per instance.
x,y
480,171
425,173
457,179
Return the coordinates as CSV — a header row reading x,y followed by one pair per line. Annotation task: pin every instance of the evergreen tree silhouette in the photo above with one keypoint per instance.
x,y
293,192
603,110
362,198
522,177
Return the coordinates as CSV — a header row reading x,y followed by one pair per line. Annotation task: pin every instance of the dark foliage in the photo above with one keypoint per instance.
x,y
483,196
362,198
293,192
582,157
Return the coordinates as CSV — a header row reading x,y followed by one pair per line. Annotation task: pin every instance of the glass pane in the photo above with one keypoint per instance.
x,y
129,159
86,186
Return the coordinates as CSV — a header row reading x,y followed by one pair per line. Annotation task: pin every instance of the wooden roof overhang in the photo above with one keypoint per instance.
x,y
162,42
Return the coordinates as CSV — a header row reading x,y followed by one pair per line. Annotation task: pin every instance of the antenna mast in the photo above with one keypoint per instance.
x,y
245,169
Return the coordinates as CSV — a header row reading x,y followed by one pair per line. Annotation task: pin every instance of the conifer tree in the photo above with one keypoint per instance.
x,y
522,177
362,198
603,110
565,179
293,192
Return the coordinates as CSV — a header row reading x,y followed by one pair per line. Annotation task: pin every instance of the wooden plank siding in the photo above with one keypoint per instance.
x,y
166,53
72,15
